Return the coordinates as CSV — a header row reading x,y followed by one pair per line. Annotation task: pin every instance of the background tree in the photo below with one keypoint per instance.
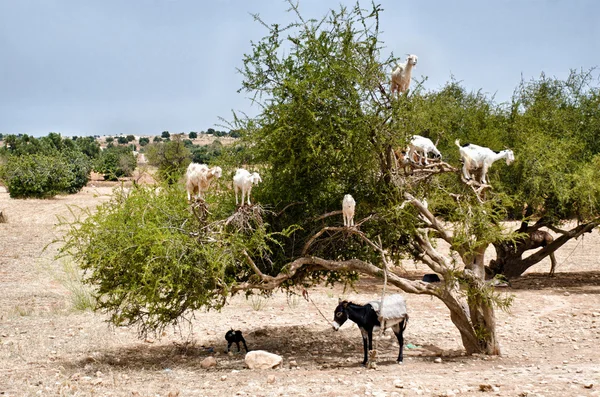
x,y
165,135
130,138
109,139
193,135
115,162
144,141
46,166
171,158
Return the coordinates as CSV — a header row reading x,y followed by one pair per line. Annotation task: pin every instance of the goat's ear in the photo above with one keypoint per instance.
x,y
339,300
344,304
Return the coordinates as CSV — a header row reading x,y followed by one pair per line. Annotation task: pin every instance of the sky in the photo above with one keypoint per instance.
x,y
110,67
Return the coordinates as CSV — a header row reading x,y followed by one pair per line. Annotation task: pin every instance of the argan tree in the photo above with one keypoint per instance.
x,y
328,127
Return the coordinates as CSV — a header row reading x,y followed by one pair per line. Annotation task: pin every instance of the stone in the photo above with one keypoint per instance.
x,y
208,362
260,359
271,379
437,360
398,384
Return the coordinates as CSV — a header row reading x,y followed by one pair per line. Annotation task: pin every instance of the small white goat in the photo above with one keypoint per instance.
x,y
479,157
401,75
422,147
198,179
348,207
244,180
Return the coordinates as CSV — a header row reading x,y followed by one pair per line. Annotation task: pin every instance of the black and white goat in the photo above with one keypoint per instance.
x,y
369,317
235,337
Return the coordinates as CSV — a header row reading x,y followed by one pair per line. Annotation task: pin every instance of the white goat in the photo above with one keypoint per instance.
x,y
198,179
401,75
479,157
422,147
348,206
244,180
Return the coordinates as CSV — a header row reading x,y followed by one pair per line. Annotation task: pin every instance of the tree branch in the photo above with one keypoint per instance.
x,y
268,283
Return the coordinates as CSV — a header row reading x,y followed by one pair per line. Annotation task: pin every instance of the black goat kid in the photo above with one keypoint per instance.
x,y
235,337
367,319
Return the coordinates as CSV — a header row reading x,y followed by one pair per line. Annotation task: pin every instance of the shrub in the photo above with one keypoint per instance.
x,y
144,141
122,140
115,162
37,175
171,158
193,135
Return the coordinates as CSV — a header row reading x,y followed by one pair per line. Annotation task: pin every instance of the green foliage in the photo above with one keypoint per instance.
x,y
115,162
130,138
151,261
193,135
157,139
122,140
36,175
109,139
165,135
171,158
207,154
46,166
144,141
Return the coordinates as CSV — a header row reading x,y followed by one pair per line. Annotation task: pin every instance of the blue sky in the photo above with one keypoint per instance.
x,y
83,67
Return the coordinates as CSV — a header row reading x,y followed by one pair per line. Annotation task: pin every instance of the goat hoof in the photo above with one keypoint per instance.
x,y
399,362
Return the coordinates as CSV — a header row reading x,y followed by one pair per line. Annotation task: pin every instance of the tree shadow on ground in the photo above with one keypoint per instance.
x,y
307,347
574,282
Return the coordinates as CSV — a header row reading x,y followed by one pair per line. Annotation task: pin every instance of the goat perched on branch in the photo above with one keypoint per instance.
x,y
244,180
199,178
348,207
402,74
478,157
420,147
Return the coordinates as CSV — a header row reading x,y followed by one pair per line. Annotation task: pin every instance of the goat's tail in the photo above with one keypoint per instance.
x,y
405,322
457,143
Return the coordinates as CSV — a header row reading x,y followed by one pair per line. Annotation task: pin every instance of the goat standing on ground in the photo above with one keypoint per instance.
x,y
479,157
422,147
369,317
244,180
402,74
348,206
235,337
198,178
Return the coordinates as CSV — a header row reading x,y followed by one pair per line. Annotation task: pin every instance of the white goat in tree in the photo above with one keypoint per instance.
x,y
198,179
422,147
348,207
402,74
478,157
244,180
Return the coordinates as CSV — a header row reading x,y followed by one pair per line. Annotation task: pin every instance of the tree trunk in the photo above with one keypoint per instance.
x,y
509,260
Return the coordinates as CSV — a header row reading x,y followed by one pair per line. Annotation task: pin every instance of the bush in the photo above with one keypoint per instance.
x,y
165,135
144,141
115,162
37,175
171,158
193,135
130,138
122,140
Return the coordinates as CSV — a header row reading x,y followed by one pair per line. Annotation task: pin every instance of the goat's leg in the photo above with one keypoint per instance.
x,y
236,194
399,332
366,345
229,346
244,342
249,190
484,171
465,171
553,266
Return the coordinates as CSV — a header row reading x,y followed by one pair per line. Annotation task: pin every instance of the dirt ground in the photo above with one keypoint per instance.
x,y
549,339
